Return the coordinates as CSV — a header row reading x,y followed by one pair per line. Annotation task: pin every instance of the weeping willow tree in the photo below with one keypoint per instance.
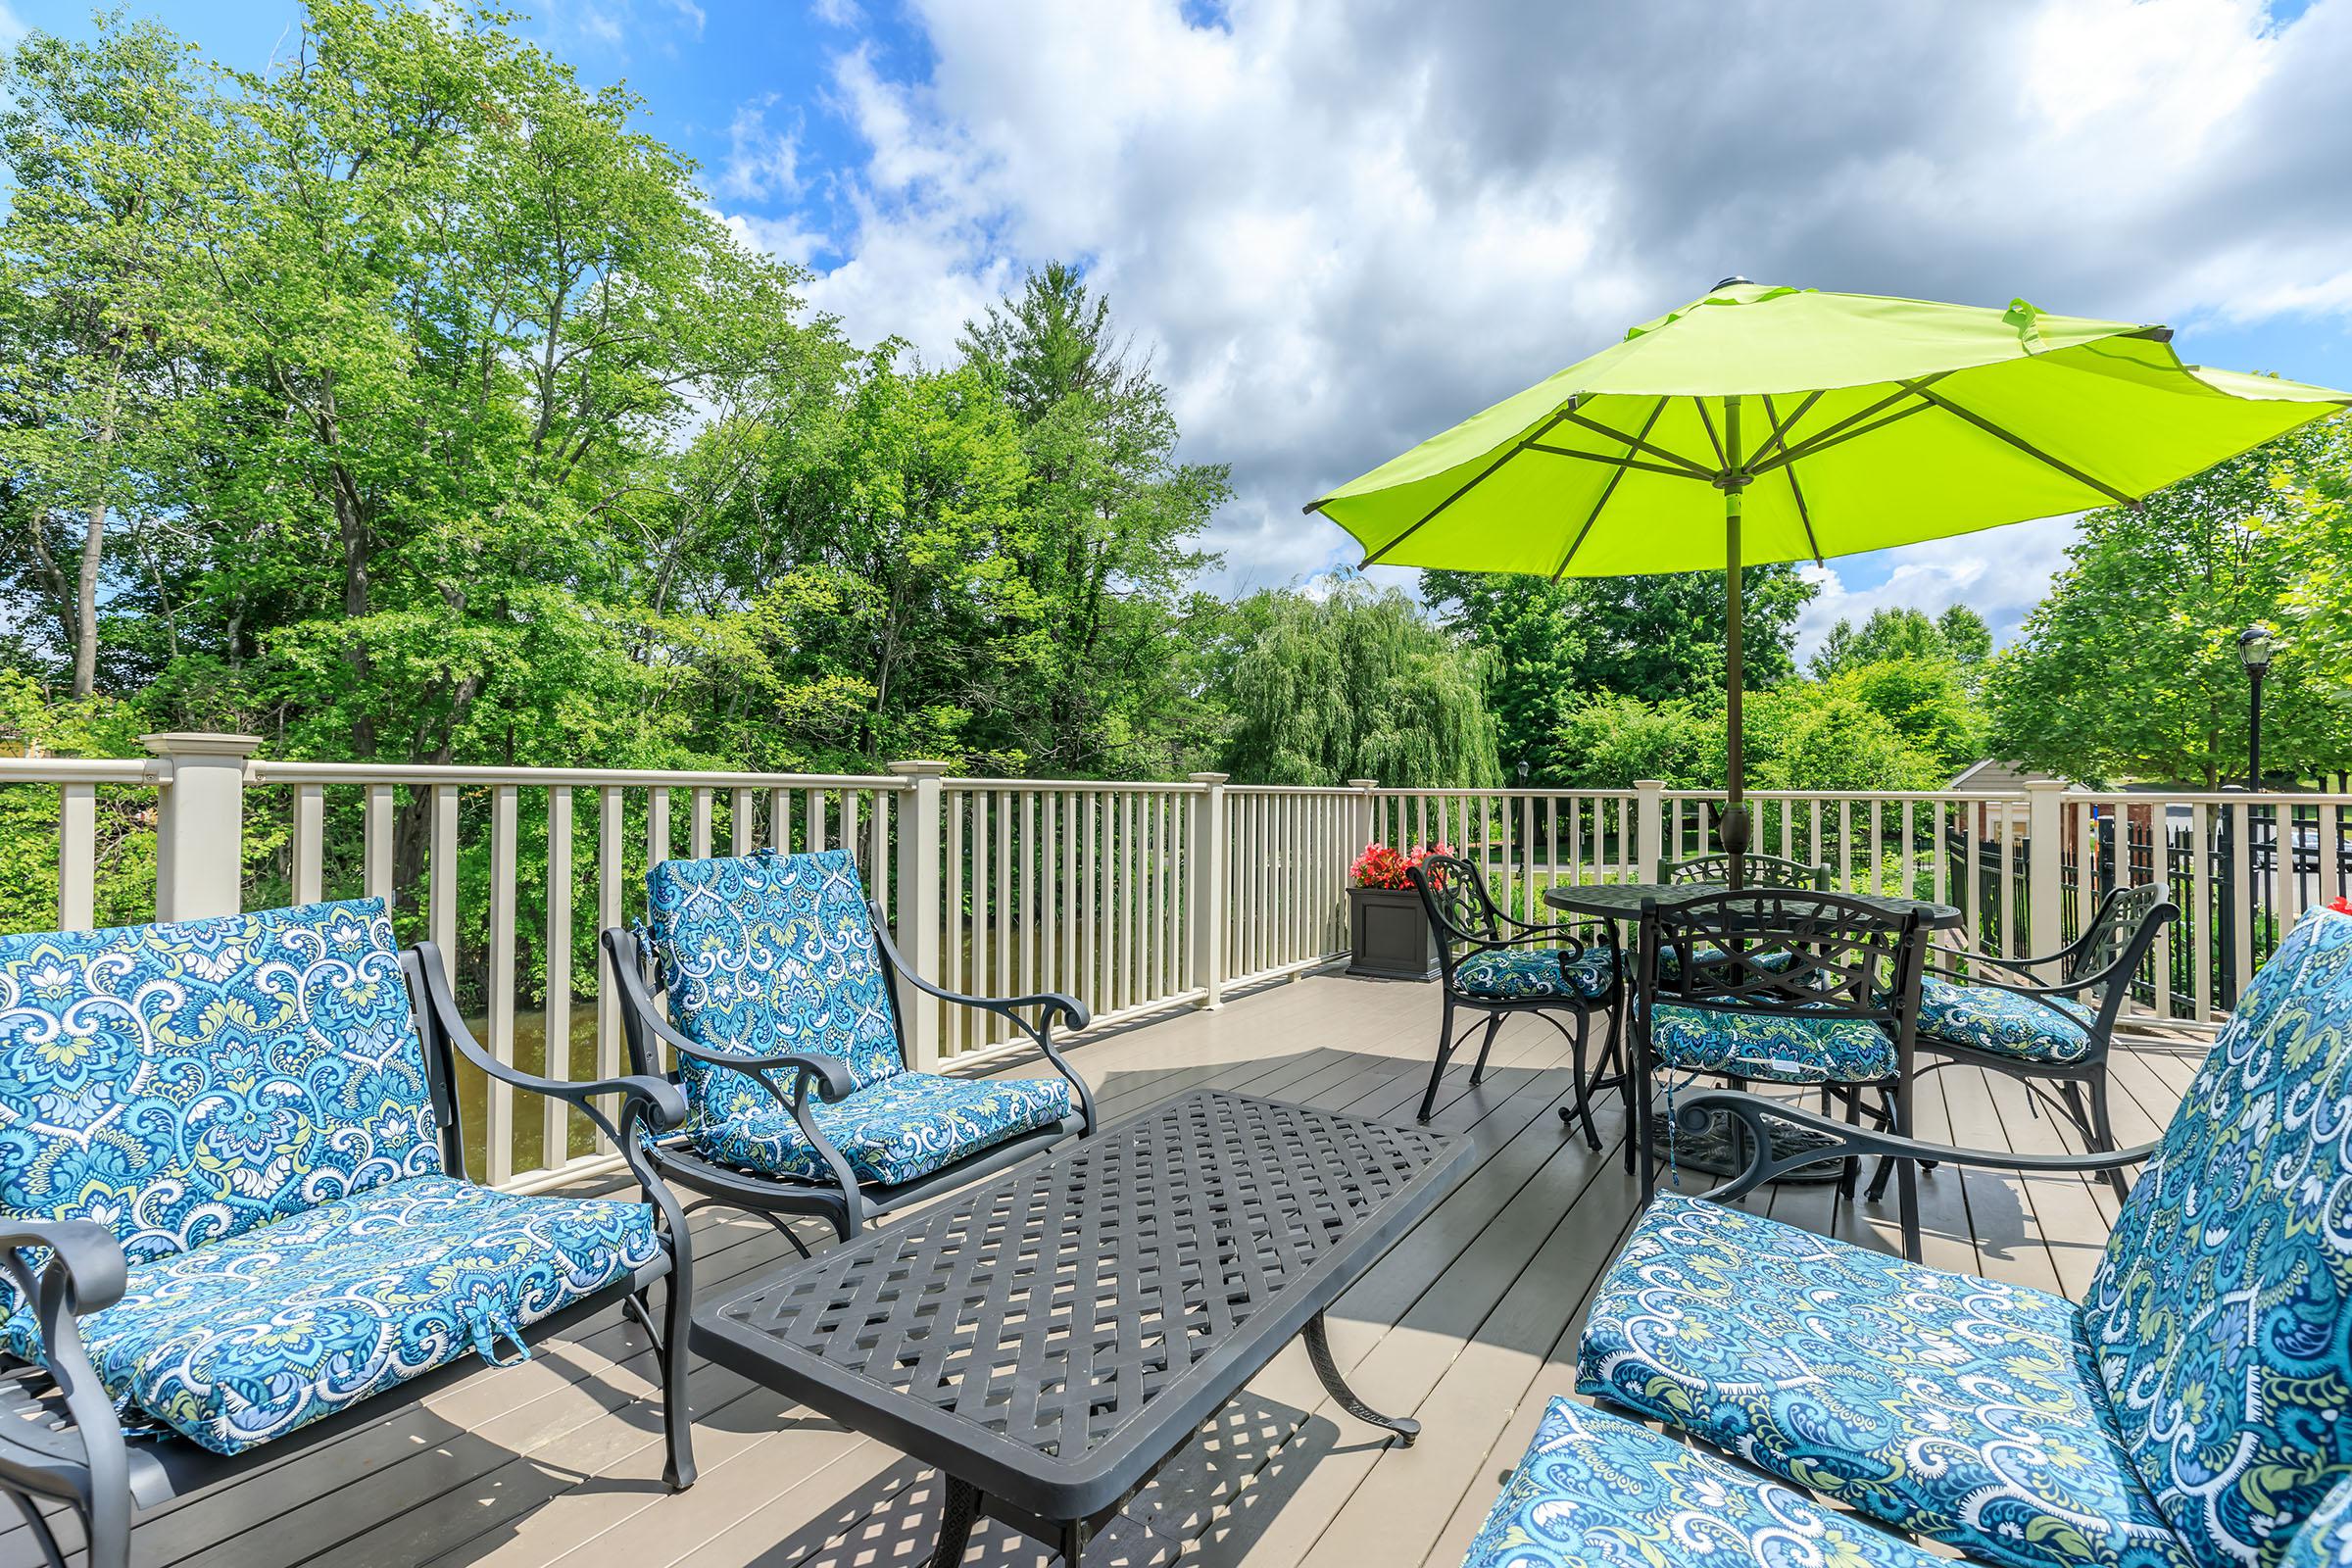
x,y
1358,685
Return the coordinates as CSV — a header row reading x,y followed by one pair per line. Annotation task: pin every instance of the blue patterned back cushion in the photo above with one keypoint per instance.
x,y
766,953
183,1083
2221,1313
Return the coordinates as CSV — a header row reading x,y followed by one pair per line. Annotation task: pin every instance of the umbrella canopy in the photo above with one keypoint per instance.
x,y
1768,424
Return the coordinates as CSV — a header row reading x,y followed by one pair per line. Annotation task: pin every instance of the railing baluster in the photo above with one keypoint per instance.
x,y
310,842
441,871
610,876
556,1148
375,832
499,1124
78,857
699,823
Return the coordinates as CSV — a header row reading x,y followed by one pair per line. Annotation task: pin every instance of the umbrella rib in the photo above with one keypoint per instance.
x,y
1609,490
1636,443
1822,443
1722,461
1795,491
1820,440
1616,463
1475,480
1779,428
2023,445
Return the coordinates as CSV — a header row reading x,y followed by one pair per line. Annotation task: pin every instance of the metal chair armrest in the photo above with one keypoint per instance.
x,y
1695,1113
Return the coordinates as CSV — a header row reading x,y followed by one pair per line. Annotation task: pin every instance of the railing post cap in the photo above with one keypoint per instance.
x,y
2047,784
199,743
919,768
1208,778
1649,784
1363,783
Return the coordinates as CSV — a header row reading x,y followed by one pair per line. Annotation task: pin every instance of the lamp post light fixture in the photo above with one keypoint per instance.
x,y
2254,649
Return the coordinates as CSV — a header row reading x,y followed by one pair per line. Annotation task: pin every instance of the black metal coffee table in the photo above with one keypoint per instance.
x,y
1051,1337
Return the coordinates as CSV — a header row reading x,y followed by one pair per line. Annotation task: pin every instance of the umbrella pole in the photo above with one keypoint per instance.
x,y
1735,809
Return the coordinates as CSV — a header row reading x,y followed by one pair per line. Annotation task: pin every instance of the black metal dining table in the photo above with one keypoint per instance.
x,y
1623,901
1717,1152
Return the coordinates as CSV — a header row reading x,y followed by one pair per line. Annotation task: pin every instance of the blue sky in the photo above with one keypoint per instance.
x,y
1340,226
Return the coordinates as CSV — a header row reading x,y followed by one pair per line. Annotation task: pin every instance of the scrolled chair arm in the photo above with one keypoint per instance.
x,y
1695,1113
644,1100
1049,1006
85,1272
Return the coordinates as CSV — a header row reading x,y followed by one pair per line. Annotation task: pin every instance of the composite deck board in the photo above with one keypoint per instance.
x,y
1470,1323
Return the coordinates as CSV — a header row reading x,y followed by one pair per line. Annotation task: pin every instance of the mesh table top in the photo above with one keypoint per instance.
x,y
1053,1333
1622,900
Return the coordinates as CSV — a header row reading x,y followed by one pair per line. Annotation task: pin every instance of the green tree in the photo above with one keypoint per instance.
x,y
1551,644
2129,669
111,151
1357,685
1890,633
1966,636
1926,701
1108,540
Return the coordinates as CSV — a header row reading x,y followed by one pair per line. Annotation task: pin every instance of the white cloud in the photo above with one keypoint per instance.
x,y
761,163
693,15
2000,574
1342,226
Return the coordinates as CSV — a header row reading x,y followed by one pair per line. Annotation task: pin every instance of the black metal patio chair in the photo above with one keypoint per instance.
x,y
2049,1019
1493,964
1788,986
784,1022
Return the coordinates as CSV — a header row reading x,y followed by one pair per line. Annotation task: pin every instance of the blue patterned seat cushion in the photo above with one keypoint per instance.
x,y
1942,1404
1670,960
1778,1047
1514,973
184,1083
2325,1539
767,953
2222,1313
236,1342
2002,1022
1599,1492
890,1132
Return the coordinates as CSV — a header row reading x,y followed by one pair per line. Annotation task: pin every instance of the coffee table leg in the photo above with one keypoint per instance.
x,y
955,1523
1318,1350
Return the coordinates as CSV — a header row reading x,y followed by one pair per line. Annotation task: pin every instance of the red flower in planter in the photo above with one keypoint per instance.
x,y
1383,865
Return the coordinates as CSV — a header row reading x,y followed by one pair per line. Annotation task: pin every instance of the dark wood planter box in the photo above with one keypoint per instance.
x,y
1389,935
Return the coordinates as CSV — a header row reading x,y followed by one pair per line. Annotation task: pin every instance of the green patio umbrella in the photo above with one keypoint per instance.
x,y
1762,424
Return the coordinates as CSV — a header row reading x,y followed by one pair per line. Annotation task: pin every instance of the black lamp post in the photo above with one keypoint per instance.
x,y
2254,652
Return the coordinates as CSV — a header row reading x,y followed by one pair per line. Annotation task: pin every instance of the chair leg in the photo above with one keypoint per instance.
x,y
1478,1068
1429,1100
1583,1084
1878,1180
1647,1156
2103,1132
677,1412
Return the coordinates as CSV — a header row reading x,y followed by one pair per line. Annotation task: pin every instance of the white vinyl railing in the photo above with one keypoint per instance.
x,y
1134,897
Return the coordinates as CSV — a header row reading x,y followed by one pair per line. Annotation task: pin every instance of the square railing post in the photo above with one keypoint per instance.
x,y
2044,850
1367,813
200,825
1649,829
917,917
1205,889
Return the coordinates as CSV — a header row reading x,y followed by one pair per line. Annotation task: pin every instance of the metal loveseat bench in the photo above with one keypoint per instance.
x,y
234,1213
2192,1410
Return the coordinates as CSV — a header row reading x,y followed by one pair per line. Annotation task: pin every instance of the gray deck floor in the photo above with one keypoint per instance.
x,y
1469,1323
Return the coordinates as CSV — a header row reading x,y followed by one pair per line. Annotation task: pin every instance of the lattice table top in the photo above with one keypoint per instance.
x,y
1052,1332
